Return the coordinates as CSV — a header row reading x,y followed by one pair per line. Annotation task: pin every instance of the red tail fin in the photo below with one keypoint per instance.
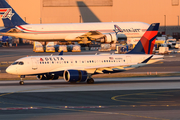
x,y
147,41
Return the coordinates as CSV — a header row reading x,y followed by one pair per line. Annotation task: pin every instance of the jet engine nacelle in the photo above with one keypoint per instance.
x,y
110,38
75,75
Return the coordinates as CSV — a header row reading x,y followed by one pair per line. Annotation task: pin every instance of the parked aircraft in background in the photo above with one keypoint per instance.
x,y
80,68
4,39
81,32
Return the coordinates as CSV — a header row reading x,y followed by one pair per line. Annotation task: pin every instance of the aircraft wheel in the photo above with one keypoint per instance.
x,y
90,81
41,77
55,77
21,82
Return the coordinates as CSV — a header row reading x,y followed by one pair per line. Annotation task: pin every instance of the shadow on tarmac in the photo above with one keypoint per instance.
x,y
84,83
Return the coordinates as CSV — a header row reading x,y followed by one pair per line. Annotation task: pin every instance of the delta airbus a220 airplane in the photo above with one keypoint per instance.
x,y
80,68
82,32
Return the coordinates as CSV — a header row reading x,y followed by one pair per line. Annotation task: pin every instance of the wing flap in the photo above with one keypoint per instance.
x,y
99,69
93,35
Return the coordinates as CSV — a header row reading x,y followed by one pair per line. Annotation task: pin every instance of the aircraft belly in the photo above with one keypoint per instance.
x,y
38,37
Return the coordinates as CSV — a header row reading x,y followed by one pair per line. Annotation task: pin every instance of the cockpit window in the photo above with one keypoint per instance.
x,y
21,63
15,63
18,63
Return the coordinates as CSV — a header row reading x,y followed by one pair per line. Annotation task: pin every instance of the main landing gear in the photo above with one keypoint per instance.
x,y
90,80
21,81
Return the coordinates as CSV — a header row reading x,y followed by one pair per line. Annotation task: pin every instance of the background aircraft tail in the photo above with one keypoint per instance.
x,y
9,16
147,41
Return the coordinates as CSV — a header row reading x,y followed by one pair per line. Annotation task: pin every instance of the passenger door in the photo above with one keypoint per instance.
x,y
128,59
34,63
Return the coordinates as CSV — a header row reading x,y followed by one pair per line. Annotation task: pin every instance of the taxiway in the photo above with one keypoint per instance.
x,y
155,98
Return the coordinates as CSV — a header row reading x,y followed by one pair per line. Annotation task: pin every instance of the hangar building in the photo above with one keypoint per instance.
x,y
167,12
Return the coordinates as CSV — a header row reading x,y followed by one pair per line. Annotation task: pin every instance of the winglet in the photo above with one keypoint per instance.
x,y
147,41
61,53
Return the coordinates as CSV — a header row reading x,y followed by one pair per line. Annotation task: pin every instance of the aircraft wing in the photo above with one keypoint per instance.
x,y
92,35
100,68
113,67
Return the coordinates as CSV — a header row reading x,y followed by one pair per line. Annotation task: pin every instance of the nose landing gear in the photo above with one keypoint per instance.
x,y
21,81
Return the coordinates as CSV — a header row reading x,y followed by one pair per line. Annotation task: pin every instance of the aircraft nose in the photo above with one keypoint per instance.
x,y
10,70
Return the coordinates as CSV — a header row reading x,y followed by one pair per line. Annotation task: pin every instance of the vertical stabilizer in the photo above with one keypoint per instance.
x,y
147,41
9,16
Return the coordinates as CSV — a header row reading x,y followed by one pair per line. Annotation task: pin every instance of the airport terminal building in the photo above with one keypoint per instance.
x,y
166,12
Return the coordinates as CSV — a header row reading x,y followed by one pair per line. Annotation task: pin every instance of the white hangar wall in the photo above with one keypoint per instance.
x,y
72,11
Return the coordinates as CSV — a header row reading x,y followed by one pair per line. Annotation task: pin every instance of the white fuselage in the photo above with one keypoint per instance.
x,y
69,31
90,63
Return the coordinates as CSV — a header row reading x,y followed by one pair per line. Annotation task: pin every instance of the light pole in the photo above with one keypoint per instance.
x,y
165,23
79,18
178,20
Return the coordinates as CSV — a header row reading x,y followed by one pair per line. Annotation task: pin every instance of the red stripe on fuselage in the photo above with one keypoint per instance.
x,y
67,31
71,31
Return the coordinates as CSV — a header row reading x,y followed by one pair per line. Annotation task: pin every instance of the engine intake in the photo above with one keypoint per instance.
x,y
110,38
75,75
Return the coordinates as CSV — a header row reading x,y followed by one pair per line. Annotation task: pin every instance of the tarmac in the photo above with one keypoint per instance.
x,y
149,98
130,98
